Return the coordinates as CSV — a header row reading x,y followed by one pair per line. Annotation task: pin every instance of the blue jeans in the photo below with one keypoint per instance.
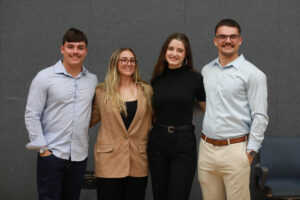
x,y
59,179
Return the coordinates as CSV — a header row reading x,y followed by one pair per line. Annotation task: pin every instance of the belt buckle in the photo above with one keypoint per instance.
x,y
171,129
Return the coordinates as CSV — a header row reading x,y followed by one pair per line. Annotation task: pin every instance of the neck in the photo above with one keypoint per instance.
x,y
174,66
225,59
125,81
127,89
74,70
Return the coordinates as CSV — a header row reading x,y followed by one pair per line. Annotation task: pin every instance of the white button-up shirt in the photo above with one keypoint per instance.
x,y
58,111
236,101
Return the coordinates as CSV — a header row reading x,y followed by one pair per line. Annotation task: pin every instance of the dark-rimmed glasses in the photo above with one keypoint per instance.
x,y
233,37
125,61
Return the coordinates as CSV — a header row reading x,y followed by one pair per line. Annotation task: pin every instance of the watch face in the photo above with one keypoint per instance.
x,y
42,150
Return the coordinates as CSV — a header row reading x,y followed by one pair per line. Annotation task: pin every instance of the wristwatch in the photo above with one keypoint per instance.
x,y
42,150
251,152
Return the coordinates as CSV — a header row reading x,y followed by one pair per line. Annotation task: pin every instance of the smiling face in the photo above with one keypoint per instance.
x,y
175,54
126,63
73,53
230,46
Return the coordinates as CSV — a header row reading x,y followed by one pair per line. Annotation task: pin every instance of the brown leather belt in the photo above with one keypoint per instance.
x,y
224,142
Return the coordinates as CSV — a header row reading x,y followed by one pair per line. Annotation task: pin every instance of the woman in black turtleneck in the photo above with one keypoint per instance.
x,y
172,143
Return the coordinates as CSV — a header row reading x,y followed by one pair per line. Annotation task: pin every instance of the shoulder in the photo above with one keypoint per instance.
x,y
92,76
145,87
100,87
44,75
46,71
100,90
156,81
208,66
252,71
195,75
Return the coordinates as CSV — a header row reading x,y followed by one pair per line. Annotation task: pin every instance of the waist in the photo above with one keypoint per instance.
x,y
171,129
224,142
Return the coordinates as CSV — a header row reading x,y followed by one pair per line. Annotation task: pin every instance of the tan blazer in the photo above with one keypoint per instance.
x,y
118,152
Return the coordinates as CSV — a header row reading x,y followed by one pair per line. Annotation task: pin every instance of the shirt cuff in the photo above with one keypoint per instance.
x,y
38,143
253,144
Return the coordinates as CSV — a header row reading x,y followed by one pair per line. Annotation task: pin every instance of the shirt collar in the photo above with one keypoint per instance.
x,y
60,69
235,63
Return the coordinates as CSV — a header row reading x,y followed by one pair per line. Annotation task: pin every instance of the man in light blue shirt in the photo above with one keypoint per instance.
x,y
235,118
57,118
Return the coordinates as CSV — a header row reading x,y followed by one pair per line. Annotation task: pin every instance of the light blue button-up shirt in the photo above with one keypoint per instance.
x,y
236,101
58,111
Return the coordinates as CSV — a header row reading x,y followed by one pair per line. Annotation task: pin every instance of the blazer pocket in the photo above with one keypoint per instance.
x,y
105,148
142,148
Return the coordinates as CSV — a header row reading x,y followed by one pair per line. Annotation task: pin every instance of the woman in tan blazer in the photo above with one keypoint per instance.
x,y
123,104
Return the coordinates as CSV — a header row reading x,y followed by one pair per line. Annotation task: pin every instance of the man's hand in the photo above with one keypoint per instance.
x,y
250,155
46,153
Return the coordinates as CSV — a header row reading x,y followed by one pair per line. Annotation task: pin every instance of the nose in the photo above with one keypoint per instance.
x,y
75,50
174,53
228,39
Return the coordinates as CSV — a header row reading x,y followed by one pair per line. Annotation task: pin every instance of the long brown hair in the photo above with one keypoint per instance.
x,y
162,63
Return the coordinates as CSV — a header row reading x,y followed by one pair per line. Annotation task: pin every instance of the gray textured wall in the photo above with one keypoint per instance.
x,y
30,38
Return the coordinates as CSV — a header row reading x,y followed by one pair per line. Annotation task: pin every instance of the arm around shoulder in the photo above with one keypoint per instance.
x,y
96,114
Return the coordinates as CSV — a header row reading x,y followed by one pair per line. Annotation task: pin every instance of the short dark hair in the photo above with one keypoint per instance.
x,y
74,35
230,23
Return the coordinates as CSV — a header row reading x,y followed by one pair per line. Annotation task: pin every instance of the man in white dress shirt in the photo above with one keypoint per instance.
x,y
235,118
57,117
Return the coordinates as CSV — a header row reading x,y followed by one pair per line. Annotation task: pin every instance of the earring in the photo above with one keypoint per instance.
x,y
185,61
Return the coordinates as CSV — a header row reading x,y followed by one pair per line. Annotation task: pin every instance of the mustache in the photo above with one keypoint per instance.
x,y
231,45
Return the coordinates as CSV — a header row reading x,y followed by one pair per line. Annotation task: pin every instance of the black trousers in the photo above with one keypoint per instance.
x,y
172,161
128,188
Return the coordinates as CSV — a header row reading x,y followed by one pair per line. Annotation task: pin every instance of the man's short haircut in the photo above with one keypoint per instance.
x,y
228,22
74,35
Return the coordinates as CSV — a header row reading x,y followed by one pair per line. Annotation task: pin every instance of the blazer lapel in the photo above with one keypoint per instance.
x,y
140,108
120,120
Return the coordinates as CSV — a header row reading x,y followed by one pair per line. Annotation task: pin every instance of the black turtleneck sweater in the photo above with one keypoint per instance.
x,y
174,93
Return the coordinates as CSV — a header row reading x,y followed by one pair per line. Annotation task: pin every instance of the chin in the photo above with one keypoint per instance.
x,y
174,63
127,74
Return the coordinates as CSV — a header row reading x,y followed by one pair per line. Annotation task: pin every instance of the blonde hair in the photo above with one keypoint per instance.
x,y
111,83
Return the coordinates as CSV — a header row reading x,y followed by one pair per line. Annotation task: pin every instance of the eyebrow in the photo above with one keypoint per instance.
x,y
80,45
179,48
128,57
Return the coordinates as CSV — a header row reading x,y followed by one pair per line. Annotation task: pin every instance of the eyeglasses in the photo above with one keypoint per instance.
x,y
125,61
233,37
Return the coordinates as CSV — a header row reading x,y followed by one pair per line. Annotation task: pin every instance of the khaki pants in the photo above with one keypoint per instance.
x,y
224,171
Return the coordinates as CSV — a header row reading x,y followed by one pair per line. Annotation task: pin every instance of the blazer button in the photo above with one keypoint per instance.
x,y
126,137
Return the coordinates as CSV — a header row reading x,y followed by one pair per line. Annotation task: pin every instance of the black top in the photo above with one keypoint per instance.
x,y
174,94
131,110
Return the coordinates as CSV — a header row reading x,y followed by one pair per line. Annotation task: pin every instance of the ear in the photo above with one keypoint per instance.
x,y
215,41
62,49
241,40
